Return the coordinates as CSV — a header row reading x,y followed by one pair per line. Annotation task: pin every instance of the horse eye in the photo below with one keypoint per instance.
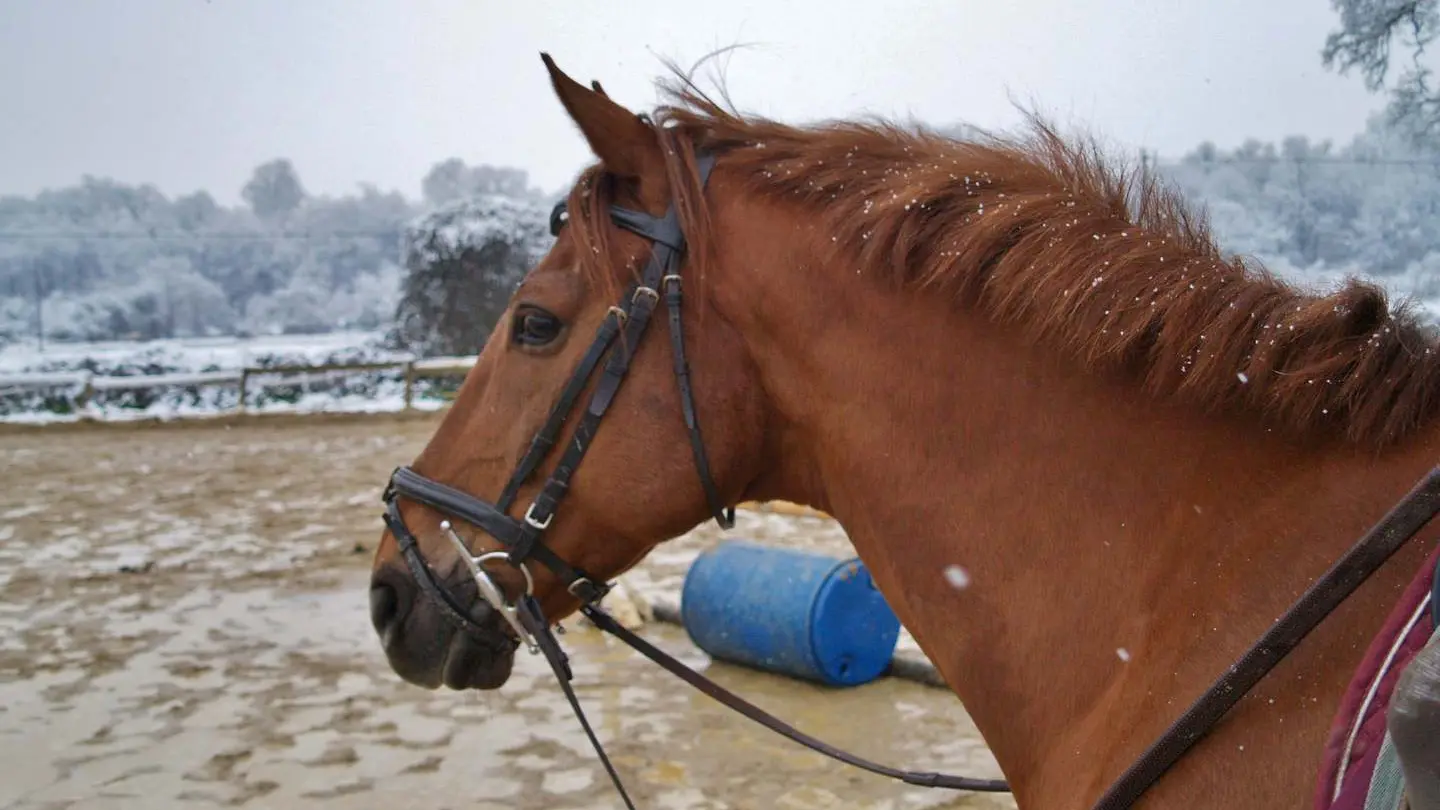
x,y
558,217
536,327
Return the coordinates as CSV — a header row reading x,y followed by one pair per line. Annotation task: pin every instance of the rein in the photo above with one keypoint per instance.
x,y
522,539
1379,544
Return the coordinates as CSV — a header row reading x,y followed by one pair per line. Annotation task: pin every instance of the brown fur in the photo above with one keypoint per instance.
x,y
1046,393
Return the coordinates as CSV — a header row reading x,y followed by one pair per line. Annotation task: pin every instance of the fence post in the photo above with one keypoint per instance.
x,y
87,390
409,383
244,378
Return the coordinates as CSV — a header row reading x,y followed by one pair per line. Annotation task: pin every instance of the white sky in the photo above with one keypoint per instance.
x,y
191,94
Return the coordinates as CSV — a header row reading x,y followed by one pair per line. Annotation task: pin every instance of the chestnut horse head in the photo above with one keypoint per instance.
x,y
1000,354
580,323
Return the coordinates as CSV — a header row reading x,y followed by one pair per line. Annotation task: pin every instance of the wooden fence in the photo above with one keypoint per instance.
x,y
248,378
245,379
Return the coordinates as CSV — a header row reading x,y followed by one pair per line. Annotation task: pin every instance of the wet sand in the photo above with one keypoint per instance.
x,y
183,623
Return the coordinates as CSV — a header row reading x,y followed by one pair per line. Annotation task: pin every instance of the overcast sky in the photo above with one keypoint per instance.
x,y
191,94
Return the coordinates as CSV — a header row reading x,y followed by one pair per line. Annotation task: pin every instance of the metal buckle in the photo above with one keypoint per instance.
x,y
669,277
530,519
620,315
646,291
490,591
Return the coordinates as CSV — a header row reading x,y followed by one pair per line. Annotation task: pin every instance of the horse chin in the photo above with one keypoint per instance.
x,y
473,665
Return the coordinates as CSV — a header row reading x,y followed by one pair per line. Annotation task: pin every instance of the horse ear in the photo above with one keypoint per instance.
x,y
626,145
595,85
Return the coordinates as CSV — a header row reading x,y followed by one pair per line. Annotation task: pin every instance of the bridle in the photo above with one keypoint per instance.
x,y
523,537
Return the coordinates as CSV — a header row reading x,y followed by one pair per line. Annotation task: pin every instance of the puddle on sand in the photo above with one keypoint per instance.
x,y
285,701
192,644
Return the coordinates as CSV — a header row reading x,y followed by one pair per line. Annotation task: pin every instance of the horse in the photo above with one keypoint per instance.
x,y
1006,354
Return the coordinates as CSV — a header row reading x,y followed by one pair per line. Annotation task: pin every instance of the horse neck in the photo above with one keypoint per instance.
x,y
1079,560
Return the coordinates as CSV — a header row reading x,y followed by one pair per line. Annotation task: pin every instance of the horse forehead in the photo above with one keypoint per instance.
x,y
550,279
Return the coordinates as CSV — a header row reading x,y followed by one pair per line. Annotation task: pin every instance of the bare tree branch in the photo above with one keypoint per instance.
x,y
1369,29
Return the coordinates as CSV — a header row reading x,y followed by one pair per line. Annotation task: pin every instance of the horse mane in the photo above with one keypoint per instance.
x,y
1098,260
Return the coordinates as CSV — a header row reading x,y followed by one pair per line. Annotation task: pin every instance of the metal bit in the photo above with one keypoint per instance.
x,y
489,590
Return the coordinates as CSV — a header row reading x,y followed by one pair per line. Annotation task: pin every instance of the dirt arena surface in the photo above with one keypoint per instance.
x,y
184,623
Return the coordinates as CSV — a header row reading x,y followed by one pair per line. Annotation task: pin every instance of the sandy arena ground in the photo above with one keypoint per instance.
x,y
184,623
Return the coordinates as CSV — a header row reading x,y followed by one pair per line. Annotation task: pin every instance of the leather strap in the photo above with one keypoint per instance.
x,y
603,620
534,621
544,440
723,516
450,501
1380,543
450,609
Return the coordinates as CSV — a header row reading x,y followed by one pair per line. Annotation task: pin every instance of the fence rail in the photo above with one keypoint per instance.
x,y
249,377
246,379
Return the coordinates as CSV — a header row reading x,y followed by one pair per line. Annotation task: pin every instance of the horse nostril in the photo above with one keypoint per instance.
x,y
384,606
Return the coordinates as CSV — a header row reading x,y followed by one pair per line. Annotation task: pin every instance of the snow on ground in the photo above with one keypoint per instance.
x,y
186,625
39,384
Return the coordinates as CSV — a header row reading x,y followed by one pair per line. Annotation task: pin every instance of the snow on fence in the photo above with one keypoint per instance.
x,y
252,378
14,383
247,379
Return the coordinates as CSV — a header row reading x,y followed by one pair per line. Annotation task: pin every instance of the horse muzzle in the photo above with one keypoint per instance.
x,y
426,646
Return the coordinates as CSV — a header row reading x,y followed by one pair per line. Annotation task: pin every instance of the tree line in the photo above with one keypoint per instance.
x,y
106,260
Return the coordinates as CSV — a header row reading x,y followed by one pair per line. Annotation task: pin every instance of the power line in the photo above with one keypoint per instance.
x,y
1189,161
1279,160
156,236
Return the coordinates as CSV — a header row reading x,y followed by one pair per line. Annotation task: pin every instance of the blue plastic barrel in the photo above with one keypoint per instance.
x,y
799,613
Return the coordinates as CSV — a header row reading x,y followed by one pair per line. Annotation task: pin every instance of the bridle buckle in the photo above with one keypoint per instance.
x,y
580,583
539,525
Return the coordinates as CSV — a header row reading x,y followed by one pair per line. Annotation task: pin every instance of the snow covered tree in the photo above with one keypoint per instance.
x,y
1316,212
451,180
103,259
1363,42
274,190
297,308
463,262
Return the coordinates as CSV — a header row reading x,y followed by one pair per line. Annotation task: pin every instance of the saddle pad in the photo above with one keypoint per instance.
x,y
1354,745
1435,599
